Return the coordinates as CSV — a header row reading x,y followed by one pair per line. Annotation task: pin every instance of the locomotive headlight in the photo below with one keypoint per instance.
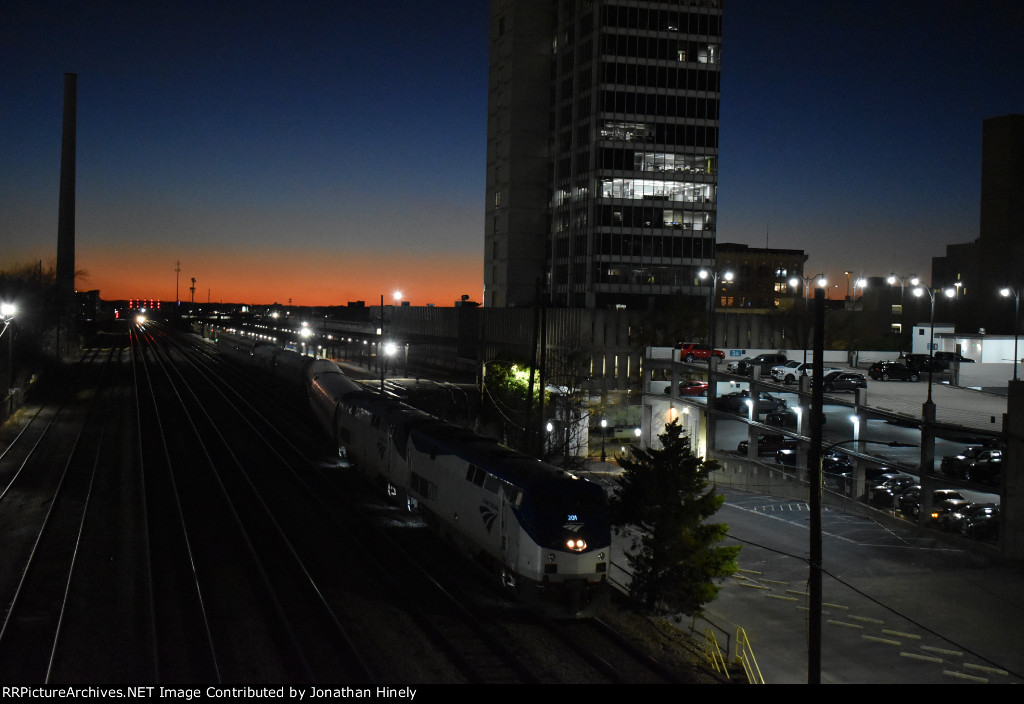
x,y
576,544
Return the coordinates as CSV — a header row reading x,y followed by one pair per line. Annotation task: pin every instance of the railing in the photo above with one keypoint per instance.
x,y
713,653
745,656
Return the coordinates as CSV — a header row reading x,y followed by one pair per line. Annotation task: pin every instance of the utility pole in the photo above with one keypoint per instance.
x,y
177,271
814,581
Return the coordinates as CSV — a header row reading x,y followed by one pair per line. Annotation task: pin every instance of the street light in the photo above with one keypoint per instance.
x,y
821,282
1005,292
604,426
7,313
727,276
902,280
920,291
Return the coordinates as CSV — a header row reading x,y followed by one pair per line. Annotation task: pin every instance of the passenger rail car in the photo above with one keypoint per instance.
x,y
545,530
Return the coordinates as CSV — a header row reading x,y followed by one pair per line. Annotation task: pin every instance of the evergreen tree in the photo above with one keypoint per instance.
x,y
664,498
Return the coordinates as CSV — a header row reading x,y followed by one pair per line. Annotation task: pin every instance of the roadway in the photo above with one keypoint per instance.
x,y
901,604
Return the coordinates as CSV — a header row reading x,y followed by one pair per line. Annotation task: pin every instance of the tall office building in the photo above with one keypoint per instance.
x,y
979,269
602,150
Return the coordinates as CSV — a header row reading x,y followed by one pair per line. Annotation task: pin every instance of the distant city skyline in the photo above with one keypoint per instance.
x,y
326,153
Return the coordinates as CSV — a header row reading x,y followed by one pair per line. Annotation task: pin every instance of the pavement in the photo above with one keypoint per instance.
x,y
955,405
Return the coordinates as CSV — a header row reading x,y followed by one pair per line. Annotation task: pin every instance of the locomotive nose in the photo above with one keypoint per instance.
x,y
576,544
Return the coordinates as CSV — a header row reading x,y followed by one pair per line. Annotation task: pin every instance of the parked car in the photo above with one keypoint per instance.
x,y
886,493
837,472
838,481
885,371
785,418
764,362
767,444
950,358
960,464
736,402
873,474
694,351
842,381
832,462
982,521
954,519
945,500
734,365
692,387
987,469
909,502
922,363
791,371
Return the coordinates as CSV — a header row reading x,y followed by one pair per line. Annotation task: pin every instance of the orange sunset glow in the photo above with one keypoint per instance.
x,y
304,279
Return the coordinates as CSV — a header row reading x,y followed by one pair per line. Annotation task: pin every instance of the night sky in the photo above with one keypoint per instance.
x,y
323,152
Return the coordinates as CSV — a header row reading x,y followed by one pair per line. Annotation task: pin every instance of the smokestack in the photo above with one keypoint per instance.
x,y
66,215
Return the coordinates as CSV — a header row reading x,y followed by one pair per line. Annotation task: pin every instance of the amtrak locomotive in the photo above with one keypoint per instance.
x,y
545,530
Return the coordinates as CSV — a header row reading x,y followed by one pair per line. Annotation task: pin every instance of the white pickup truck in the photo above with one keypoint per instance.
x,y
791,371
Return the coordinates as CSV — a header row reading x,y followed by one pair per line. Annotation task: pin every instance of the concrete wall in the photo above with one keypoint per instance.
x,y
991,375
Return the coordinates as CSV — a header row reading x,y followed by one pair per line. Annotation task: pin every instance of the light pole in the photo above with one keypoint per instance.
x,y
928,408
380,345
604,427
903,280
861,283
920,291
7,313
821,282
727,276
1005,292
388,349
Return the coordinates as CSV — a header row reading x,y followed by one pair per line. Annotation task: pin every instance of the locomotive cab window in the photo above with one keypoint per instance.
x,y
475,475
492,484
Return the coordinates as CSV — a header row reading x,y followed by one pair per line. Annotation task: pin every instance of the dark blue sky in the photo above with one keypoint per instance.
x,y
332,151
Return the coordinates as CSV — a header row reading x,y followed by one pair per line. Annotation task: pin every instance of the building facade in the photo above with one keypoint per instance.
x,y
763,277
602,151
994,260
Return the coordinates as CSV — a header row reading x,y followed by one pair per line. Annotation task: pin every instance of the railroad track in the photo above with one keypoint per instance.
x,y
52,515
216,538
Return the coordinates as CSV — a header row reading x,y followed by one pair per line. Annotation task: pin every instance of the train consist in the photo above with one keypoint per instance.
x,y
544,530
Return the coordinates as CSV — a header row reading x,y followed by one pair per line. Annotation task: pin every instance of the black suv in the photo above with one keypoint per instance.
x,y
948,358
764,361
892,370
923,363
